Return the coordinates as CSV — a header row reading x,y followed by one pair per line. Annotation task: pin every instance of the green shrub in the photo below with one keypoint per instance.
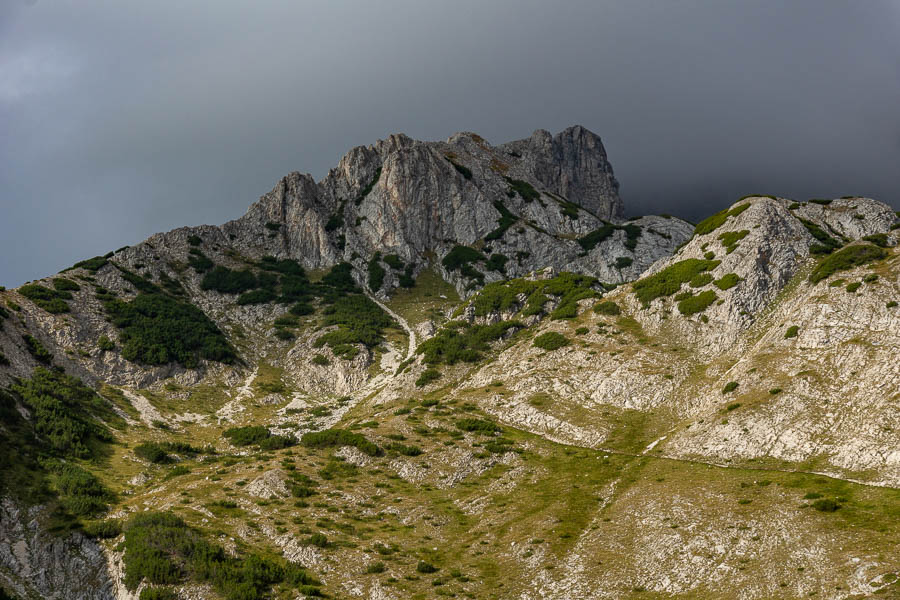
x,y
426,567
459,341
791,332
598,236
157,329
826,505
52,301
669,280
61,284
246,436
523,189
158,593
273,226
826,245
775,391
497,262
367,189
460,256
870,278
92,264
320,360
256,297
820,201
319,540
427,376
710,224
394,262
152,452
358,321
700,280
846,258
4,362
199,261
891,304
194,240
404,449
730,239
852,287
462,170
376,273
730,387
161,549
474,425
331,438
551,340
727,281
65,413
698,303
37,350
623,262
224,280
302,308
733,406
607,307
103,530
506,220
879,239
376,567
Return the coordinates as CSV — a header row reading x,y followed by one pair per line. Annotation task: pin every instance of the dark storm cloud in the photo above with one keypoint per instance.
x,y
119,119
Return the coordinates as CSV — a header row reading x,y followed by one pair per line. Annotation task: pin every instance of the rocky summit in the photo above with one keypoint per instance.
x,y
457,369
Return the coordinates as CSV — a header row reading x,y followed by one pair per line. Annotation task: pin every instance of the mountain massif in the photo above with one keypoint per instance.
x,y
457,369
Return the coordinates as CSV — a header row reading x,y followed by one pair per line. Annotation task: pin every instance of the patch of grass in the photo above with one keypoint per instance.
x,y
623,262
376,272
730,387
226,281
506,220
791,332
503,296
598,236
845,259
550,341
700,280
199,261
879,239
852,287
92,264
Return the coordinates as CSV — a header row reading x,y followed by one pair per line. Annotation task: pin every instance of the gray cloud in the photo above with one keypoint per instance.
x,y
122,119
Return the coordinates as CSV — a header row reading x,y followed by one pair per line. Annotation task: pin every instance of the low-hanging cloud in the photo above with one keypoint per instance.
x,y
122,119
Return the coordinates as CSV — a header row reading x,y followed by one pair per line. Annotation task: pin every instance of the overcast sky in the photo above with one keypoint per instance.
x,y
120,119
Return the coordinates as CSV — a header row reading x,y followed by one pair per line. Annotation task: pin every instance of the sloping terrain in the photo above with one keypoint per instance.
x,y
452,369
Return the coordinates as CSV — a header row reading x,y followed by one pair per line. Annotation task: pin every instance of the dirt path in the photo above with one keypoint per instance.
x,y
411,350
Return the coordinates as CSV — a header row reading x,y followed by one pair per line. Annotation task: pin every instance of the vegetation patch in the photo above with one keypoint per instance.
x,y
727,281
36,349
700,280
427,376
669,280
846,258
157,329
698,303
92,264
598,236
523,189
710,224
161,549
607,307
53,301
567,288
333,438
257,435
730,239
226,281
826,245
730,387
376,272
791,332
506,220
551,340
459,341
199,261
879,239
358,321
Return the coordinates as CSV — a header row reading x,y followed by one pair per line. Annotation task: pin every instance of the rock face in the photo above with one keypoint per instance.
x,y
35,562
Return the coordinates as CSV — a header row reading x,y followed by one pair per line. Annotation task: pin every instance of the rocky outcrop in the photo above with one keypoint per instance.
x,y
37,563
